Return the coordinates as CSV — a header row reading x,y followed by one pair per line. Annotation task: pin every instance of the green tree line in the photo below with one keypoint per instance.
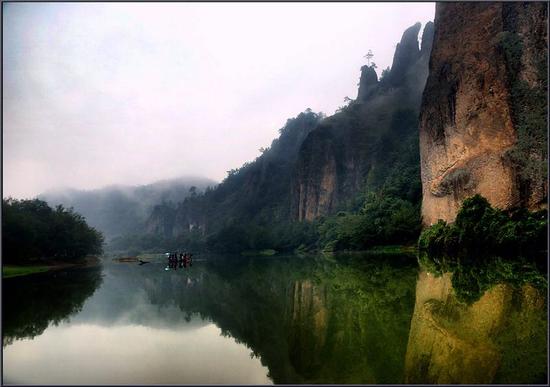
x,y
32,230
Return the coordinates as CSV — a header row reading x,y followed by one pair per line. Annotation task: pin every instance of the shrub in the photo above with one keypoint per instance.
x,y
480,228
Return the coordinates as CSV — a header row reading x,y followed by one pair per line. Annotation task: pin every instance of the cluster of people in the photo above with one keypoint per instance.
x,y
183,260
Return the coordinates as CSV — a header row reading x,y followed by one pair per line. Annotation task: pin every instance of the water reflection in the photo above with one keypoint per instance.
x,y
32,303
92,354
346,319
474,325
284,320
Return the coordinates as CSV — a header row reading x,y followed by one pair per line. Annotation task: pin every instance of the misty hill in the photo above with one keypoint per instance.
x,y
256,192
319,166
118,210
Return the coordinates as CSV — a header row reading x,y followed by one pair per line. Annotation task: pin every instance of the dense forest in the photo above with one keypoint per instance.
x,y
33,231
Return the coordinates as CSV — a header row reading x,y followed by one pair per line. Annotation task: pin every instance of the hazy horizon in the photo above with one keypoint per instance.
x,y
100,94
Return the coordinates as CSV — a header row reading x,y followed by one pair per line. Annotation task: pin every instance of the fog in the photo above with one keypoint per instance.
x,y
129,93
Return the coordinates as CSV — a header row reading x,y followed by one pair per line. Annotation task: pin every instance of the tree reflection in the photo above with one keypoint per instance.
x,y
32,303
309,320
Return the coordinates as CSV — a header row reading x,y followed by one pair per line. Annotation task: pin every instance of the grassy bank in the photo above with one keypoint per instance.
x,y
9,271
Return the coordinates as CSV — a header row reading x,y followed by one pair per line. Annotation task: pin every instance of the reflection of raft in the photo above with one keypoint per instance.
x,y
126,259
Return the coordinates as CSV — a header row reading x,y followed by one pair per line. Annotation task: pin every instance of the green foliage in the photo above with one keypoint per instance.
x,y
32,230
9,271
388,210
480,228
529,112
382,220
284,237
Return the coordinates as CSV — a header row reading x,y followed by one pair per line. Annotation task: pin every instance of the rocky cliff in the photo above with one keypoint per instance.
x,y
352,149
483,114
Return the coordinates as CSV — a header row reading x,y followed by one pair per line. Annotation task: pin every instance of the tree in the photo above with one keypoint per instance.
x,y
369,56
32,230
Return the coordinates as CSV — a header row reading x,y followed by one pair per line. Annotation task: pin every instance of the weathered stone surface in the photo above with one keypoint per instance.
x,y
466,121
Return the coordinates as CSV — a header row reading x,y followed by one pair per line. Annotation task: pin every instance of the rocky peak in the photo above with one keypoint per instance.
x,y
367,82
406,54
427,39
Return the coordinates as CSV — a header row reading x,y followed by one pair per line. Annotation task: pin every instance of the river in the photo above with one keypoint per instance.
x,y
356,318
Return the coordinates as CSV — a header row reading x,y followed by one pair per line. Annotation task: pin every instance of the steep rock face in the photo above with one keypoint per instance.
x,y
346,151
470,125
316,196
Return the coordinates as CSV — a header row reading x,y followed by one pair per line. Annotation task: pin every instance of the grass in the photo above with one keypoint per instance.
x,y
9,271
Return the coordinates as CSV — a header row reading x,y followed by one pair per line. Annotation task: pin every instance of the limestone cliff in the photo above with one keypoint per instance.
x,y
483,114
351,149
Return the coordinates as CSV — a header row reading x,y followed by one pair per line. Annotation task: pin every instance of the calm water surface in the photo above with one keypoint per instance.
x,y
234,320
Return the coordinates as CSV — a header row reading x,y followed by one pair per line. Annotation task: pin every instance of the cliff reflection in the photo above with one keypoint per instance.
x,y
31,304
308,320
472,326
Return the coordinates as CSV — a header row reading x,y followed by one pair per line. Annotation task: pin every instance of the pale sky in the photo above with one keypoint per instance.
x,y
130,93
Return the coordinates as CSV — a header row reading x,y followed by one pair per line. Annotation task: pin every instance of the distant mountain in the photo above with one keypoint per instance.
x,y
118,209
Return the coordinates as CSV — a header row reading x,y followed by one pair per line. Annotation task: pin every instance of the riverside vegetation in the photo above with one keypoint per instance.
x,y
34,235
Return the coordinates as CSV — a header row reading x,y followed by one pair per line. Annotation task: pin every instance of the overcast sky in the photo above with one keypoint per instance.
x,y
129,93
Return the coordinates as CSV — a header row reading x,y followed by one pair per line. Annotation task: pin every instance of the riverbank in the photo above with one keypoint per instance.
x,y
11,271
387,249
